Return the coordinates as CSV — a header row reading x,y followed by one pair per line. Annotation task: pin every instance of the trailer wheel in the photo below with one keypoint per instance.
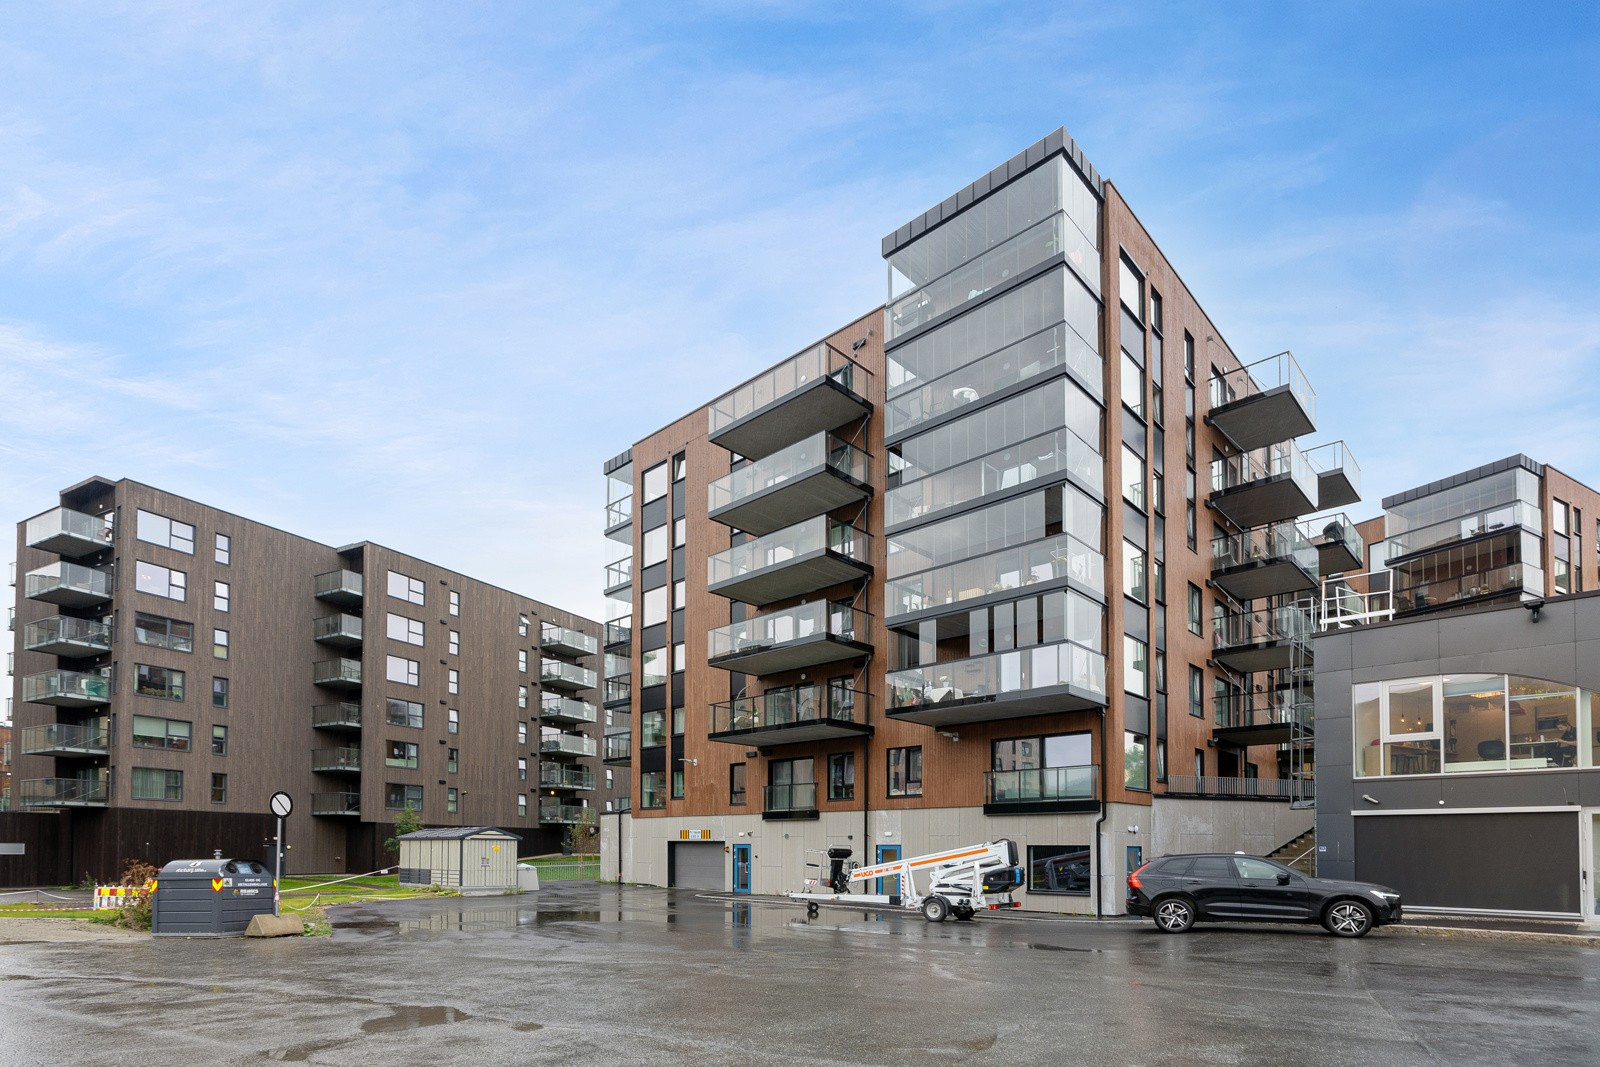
x,y
935,909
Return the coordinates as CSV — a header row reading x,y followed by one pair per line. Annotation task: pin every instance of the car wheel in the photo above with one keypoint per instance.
x,y
1174,915
1348,918
934,909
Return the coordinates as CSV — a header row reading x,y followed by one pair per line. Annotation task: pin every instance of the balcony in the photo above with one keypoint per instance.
x,y
1262,719
567,676
68,584
619,749
811,477
1269,560
1042,680
1339,546
792,715
61,635
343,716
1338,476
619,634
66,689
618,692
566,814
560,776
1268,485
1058,560
63,739
565,641
62,793
1264,403
69,533
619,576
793,639
1235,788
619,519
820,389
567,745
1272,639
336,804
1042,791
339,588
343,631
797,800
809,556
337,673
553,708
345,760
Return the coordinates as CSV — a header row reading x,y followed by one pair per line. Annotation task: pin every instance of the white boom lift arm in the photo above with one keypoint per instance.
x,y
961,881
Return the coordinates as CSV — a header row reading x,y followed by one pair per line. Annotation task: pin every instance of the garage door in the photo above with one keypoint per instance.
x,y
1499,861
699,865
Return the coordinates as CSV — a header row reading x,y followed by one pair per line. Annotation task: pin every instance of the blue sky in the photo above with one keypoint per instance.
x,y
411,272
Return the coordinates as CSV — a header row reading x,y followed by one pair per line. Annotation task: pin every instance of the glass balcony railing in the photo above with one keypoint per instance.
x,y
1275,541
619,574
68,583
619,747
1274,461
565,709
336,803
775,549
1236,709
1053,559
819,452
68,688
618,691
619,512
763,632
62,635
793,374
567,641
1333,463
998,675
1424,594
566,814
791,706
338,587
558,776
1275,372
341,716
1042,785
1339,542
337,629
336,672
1504,517
619,631
60,739
1245,628
62,792
1061,452
796,796
69,533
566,675
336,760
567,745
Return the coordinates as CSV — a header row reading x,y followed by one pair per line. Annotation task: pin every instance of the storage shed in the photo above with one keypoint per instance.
x,y
473,859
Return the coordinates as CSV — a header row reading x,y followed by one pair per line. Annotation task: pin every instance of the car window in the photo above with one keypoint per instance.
x,y
1211,867
1254,868
1171,868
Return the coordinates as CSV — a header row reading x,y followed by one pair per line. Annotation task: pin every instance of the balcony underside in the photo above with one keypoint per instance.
x,y
339,639
1335,490
1265,418
71,700
342,597
794,733
1264,656
987,708
72,545
1262,578
67,750
788,502
776,657
69,647
71,596
1266,733
337,682
1336,555
1041,807
793,577
822,404
1262,501
565,685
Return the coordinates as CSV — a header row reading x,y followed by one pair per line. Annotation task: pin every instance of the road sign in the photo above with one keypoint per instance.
x,y
282,804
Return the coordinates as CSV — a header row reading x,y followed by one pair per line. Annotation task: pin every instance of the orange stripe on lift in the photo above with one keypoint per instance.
x,y
874,872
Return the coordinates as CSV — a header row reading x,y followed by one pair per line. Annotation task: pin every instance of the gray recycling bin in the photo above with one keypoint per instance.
x,y
209,898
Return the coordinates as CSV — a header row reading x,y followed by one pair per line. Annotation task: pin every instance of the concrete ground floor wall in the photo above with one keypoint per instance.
x,y
639,850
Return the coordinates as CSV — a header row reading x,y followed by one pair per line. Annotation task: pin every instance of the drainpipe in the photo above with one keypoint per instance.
x,y
1098,848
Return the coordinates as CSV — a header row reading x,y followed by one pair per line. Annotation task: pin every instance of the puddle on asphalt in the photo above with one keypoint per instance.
x,y
412,1017
542,917
365,924
1061,948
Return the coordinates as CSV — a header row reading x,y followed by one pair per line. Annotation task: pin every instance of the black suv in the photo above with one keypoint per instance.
x,y
1179,891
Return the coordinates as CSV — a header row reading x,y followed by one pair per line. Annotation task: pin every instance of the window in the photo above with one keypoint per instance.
x,y
1161,671
1197,692
401,754
680,595
653,546
522,626
453,724
455,642
680,467
405,587
219,595
680,532
522,660
842,776
655,607
522,805
905,772
219,644
654,484
219,789
1132,477
455,603
1161,760
1134,581
522,733
452,800
219,740
791,785
1135,761
410,631
522,696
400,797
151,783
160,530
219,692
160,581
403,712
1158,579
1063,869
151,732
1199,763
224,550
1196,611
610,779
452,761
453,682
163,633
402,670
1130,287
1155,310
1188,356
653,667
522,769
1132,385
1135,666
677,722
162,682
677,784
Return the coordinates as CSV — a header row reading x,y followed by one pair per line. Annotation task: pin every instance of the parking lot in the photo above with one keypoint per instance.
x,y
607,974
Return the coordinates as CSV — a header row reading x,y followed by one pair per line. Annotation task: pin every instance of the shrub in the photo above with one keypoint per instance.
x,y
135,914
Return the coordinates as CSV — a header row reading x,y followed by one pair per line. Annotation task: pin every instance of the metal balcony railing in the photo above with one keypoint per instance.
x,y
1042,785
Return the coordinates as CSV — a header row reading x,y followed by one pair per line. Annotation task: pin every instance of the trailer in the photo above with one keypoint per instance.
x,y
960,881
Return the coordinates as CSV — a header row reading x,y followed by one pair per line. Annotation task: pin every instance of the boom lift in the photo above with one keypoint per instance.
x,y
961,881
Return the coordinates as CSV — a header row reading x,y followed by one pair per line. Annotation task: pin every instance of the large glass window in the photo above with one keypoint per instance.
x,y
401,754
842,776
1135,666
1134,581
152,732
905,772
1135,761
1133,478
654,547
403,712
1064,869
163,682
402,670
411,631
405,587
398,797
655,483
163,632
653,667
160,581
160,530
152,783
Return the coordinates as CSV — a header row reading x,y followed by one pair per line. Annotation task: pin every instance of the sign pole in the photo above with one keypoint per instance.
x,y
282,804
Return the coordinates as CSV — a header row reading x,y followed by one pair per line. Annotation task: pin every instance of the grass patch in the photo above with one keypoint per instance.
x,y
29,911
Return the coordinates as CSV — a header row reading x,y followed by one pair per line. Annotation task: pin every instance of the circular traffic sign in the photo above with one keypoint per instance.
x,y
282,805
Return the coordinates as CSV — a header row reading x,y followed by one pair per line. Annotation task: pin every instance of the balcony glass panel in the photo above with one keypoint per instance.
x,y
1040,784
45,792
564,637
619,511
618,690
619,746
1485,520
1261,709
1268,624
334,582
619,573
64,737
1479,496
794,373
1277,540
999,674
336,803
337,626
559,707
570,814
68,578
1274,461
619,631
1335,456
792,624
785,707
554,671
1052,454
557,776
1054,559
68,686
57,530
336,759
1262,376
342,714
818,452
568,745
62,630
337,670
1419,594
813,535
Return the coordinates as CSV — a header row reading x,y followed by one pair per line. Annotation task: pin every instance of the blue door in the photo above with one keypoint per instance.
x,y
888,886
741,868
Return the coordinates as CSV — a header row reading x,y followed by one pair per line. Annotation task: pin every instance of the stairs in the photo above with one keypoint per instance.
x,y
1300,854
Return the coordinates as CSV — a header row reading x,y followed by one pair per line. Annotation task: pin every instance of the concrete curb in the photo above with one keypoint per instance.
x,y
1487,934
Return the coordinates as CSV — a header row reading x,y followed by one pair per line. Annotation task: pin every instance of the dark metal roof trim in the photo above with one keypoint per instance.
x,y
1497,467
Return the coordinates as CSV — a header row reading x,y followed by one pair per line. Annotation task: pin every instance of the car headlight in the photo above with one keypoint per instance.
x,y
1387,898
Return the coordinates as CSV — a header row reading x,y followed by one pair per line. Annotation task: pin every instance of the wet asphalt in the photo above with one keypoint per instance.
x,y
595,974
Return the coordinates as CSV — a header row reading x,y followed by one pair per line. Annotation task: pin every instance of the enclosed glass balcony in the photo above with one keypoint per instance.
x,y
1269,718
68,584
346,760
1268,485
1027,463
1270,560
553,708
337,673
809,556
561,776
792,639
1055,559
1040,790
1340,546
819,389
567,676
343,716
336,804
619,748
64,739
66,689
1270,639
811,477
339,630
618,575
566,814
618,691
619,519
619,633
69,533
792,715
567,745
1338,475
1041,680
341,588
565,641
61,635
62,793
1263,403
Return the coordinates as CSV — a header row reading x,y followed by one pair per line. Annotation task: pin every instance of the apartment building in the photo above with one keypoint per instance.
x,y
1022,552
176,664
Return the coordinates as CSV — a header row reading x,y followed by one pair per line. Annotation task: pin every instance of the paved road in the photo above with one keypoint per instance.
x,y
582,973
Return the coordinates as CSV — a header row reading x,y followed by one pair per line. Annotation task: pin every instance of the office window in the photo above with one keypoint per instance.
x,y
452,762
1197,692
410,631
1133,478
399,797
654,484
1134,581
455,642
401,670
452,800
160,530
453,682
161,632
219,644
453,724
522,805
842,776
401,754
455,603
522,626
160,581
403,712
1061,869
405,587
219,740
905,772
522,696
1135,666
1135,761
152,783
162,682
220,595
224,550
522,732
1196,611
219,788
522,660
152,732
219,692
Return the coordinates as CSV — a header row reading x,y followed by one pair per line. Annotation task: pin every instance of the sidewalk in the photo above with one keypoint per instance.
x,y
1423,924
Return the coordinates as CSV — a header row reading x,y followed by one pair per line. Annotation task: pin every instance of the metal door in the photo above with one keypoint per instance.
x,y
889,886
741,868
699,865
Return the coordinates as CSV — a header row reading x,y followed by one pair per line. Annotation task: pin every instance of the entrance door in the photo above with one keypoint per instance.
x,y
889,886
1588,856
741,868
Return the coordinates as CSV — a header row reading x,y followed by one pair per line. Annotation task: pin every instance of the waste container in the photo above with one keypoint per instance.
x,y
209,898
